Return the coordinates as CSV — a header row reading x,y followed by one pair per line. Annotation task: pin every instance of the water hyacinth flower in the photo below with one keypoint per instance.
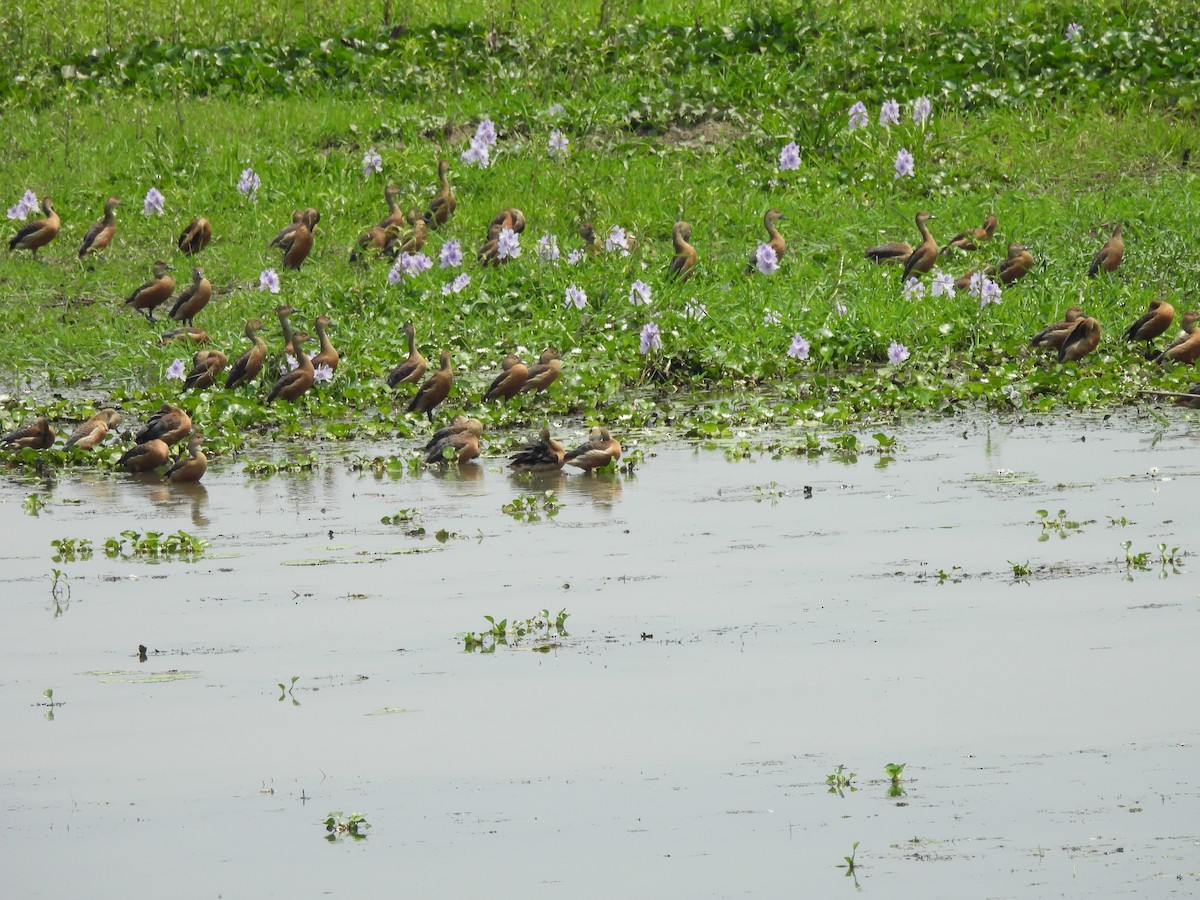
x,y
770,317
921,110
913,288
943,284
23,207
858,116
268,280
485,132
413,264
547,247
451,256
789,157
765,259
555,110
249,183
1074,31
639,293
897,353
176,370
889,114
575,257
904,164
456,286
575,297
291,365
799,348
840,308
694,311
477,154
394,275
984,288
153,204
322,373
617,241
372,163
558,143
650,339
508,244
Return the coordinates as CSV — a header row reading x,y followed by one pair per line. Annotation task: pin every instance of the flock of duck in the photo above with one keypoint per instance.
x,y
405,232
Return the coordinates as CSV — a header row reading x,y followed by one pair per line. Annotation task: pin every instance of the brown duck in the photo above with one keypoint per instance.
x,y
544,372
145,457
895,252
195,335
395,217
100,235
286,232
1017,265
154,292
375,239
168,425
247,366
1157,319
462,436
591,243
542,454
1083,339
189,468
926,252
1186,347
192,299
435,389
774,238
512,377
196,236
39,233
297,382
442,206
411,370
206,366
600,449
970,240
1054,334
684,261
460,422
327,356
285,325
91,433
38,436
1109,256
297,246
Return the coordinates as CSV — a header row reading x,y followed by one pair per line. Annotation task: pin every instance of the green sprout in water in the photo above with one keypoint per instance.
x,y
529,507
338,825
33,504
1020,570
286,690
850,865
895,771
840,781
542,628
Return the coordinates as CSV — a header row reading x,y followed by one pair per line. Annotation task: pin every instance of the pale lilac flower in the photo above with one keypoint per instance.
x,y
485,132
575,296
508,244
176,370
249,183
765,259
413,264
558,143
771,317
477,154
897,353
904,164
456,286
639,293
555,109
153,204
984,288
913,288
575,257
291,365
921,110
943,284
372,163
268,280
547,246
322,373
394,274
889,113
27,204
1074,31
799,348
694,310
840,308
858,116
650,339
617,241
451,256
789,157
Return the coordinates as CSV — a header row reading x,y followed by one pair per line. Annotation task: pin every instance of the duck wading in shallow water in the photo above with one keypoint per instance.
x,y
461,436
599,450
154,292
169,424
543,373
296,383
190,468
39,233
145,457
542,454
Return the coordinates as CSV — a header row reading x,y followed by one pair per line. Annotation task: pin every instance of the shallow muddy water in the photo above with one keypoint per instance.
x,y
731,642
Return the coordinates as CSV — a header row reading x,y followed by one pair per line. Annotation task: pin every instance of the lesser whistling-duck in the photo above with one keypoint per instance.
x,y
193,298
286,232
925,254
100,235
512,377
684,261
395,217
295,383
145,457
39,233
154,292
774,239
413,368
541,454
1082,340
374,238
247,366
1155,321
460,422
895,252
463,441
600,449
91,433
544,372
327,356
1055,333
188,333
1109,256
189,468
296,246
196,236
206,366
168,425
442,206
38,436
1017,265
284,312
435,389
591,243
971,239
1185,348
413,240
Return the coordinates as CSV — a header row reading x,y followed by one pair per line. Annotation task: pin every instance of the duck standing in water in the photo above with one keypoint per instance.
x,y
926,252
683,263
599,450
1109,256
296,383
542,454
154,292
91,433
38,436
435,389
512,377
190,468
196,236
145,456
103,230
39,233
192,299
461,435
247,366
774,239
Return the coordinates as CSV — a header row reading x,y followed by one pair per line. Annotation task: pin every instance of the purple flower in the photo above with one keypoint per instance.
x,y
291,365
840,308
921,110
322,373
372,163
558,143
897,353
650,339
153,204
858,116
176,370
249,183
575,257
889,113
555,110
548,248
575,296
617,241
789,157
485,132
799,348
765,259
268,280
639,293
984,288
508,244
451,256
694,311
943,284
27,204
913,288
770,317
1074,31
477,154
394,274
456,285
904,164
413,264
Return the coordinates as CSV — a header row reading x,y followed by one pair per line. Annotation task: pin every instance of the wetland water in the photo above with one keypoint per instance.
x,y
1048,723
